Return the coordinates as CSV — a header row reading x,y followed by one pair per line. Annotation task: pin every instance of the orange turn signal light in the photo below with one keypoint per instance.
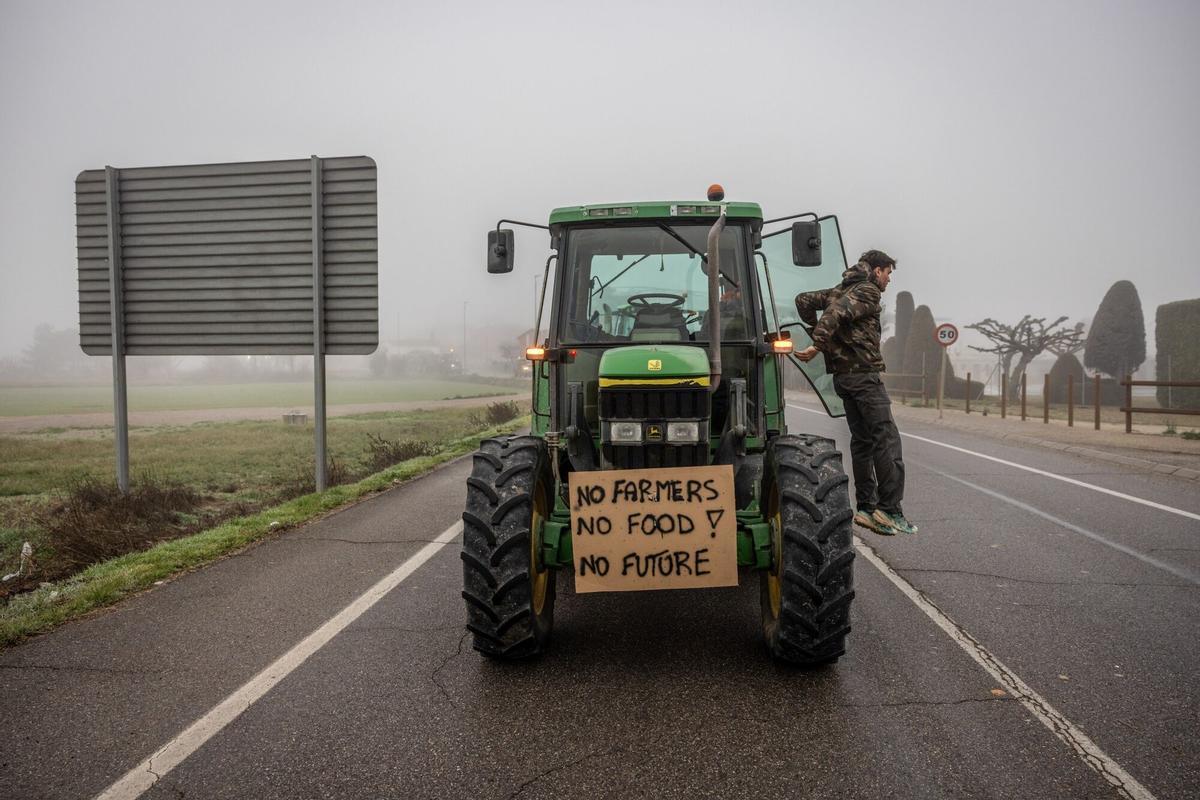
x,y
782,346
535,353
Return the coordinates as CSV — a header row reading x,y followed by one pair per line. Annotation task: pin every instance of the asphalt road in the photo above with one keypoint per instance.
x,y
1085,601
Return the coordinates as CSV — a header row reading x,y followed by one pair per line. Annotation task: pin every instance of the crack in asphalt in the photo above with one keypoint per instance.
x,y
560,767
433,676
897,704
1042,583
928,703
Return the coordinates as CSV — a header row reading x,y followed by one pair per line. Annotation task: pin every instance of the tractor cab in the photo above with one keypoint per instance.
x,y
670,325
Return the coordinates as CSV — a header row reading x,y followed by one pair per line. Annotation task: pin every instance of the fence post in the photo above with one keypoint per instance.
x,y
1023,391
1046,399
1128,383
1096,398
924,389
942,381
1070,399
968,395
1004,395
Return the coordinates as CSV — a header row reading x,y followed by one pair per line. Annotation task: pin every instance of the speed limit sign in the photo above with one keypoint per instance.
x,y
946,334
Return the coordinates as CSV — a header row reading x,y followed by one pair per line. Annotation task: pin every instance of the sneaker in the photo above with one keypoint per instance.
x,y
864,519
896,522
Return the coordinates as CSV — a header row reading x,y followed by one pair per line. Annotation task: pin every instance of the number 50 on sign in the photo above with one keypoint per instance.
x,y
946,334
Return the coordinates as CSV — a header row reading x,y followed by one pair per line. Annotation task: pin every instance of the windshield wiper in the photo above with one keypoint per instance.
x,y
604,286
671,232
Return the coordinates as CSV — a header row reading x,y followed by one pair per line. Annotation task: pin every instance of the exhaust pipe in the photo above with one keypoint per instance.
x,y
714,309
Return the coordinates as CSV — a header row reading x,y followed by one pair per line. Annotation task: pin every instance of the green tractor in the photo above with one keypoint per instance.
x,y
658,399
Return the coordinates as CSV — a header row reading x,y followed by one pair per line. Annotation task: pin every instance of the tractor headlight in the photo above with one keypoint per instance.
x,y
625,431
683,432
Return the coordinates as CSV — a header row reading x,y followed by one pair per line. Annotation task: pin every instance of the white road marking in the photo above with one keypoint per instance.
x,y
1036,471
144,775
1083,747
1178,572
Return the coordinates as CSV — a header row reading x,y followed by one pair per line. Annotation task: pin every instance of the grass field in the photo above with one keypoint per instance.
x,y
45,599
232,468
254,457
22,401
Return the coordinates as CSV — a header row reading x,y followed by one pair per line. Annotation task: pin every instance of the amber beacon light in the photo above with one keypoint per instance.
x,y
716,193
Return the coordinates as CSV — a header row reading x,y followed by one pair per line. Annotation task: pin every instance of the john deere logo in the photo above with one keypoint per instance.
x,y
654,433
654,365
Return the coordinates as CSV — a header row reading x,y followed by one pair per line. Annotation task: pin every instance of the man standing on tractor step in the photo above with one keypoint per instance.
x,y
848,334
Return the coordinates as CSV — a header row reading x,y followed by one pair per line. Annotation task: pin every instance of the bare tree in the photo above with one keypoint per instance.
x,y
1071,346
1030,338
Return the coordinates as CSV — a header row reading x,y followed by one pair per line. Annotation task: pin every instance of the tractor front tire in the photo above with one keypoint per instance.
x,y
508,592
807,591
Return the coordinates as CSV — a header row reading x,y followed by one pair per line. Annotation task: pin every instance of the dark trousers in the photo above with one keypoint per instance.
x,y
874,442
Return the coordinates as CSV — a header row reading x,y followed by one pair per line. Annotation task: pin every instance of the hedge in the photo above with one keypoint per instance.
x,y
1177,336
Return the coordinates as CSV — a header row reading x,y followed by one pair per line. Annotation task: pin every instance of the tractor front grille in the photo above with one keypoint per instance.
x,y
655,405
669,402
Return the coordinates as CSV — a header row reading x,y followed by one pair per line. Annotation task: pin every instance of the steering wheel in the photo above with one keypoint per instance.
x,y
644,300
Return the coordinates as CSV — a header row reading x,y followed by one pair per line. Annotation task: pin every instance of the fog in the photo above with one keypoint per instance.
x,y
1017,158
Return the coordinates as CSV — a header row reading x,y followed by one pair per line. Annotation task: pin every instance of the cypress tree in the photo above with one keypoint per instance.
x,y
1064,365
1116,342
921,343
890,358
904,315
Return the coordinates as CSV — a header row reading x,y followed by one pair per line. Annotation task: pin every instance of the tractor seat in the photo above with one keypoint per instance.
x,y
658,323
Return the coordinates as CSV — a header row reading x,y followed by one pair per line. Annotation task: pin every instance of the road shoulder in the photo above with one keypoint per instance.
x,y
1164,455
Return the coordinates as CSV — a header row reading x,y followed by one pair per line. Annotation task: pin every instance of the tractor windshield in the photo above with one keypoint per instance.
x,y
649,283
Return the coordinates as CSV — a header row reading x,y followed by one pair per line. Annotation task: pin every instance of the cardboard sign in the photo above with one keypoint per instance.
x,y
638,529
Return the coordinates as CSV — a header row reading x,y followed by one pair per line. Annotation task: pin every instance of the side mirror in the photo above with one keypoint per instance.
x,y
500,251
806,243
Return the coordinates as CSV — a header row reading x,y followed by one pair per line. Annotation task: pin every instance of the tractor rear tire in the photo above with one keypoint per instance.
x,y
509,594
807,591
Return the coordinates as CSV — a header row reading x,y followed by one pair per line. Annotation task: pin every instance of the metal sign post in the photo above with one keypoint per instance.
x,y
112,197
318,294
946,335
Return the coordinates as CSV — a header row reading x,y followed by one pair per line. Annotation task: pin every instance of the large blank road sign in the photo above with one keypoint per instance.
x,y
220,258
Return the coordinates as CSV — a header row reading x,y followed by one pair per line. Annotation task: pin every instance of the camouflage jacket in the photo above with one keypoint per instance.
x,y
848,331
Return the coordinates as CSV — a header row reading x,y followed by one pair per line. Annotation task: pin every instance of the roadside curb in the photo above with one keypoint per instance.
x,y
1187,473
1139,463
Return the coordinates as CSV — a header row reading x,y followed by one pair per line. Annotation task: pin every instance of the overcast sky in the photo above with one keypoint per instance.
x,y
1015,157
